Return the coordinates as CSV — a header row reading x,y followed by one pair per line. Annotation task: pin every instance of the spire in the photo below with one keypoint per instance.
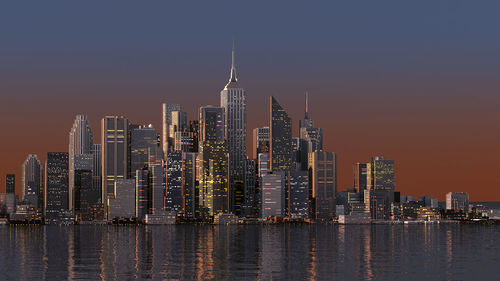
x,y
233,69
307,107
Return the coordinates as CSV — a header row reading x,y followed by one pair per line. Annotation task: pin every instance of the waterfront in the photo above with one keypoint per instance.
x,y
250,252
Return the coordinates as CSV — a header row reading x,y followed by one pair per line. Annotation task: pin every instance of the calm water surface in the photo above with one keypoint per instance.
x,y
290,252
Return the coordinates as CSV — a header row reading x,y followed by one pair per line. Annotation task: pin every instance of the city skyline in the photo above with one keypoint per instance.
x,y
419,91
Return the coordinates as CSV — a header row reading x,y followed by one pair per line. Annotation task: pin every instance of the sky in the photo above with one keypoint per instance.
x,y
414,81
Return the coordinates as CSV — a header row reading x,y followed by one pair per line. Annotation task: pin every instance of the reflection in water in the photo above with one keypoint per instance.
x,y
300,252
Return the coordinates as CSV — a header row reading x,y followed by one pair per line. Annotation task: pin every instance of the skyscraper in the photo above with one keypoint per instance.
x,y
142,193
360,177
233,100
166,118
81,141
323,184
97,175
380,176
144,140
213,162
10,183
173,201
272,195
56,185
115,150
458,201
260,141
189,184
280,134
32,181
312,137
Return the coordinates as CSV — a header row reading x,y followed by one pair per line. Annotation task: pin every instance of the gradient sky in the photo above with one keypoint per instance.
x,y
415,81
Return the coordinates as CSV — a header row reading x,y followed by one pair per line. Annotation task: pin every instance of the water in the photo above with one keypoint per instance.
x,y
253,252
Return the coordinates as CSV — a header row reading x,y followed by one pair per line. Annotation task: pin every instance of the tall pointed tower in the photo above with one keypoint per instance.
x,y
233,100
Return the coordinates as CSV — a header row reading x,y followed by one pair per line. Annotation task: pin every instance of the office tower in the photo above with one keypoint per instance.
x,y
178,123
157,182
360,177
380,175
166,118
115,149
143,139
142,193
233,100
312,137
260,141
272,194
323,184
96,175
122,205
213,162
81,141
250,202
263,164
379,201
189,184
32,180
56,185
298,184
84,190
10,183
280,135
173,201
458,201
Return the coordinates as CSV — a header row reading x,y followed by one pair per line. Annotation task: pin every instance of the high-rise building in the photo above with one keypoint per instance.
x,y
123,204
260,141
312,138
32,181
280,135
189,184
213,173
84,190
173,201
249,208
56,185
157,182
142,193
10,183
233,100
178,123
97,175
360,177
144,139
272,195
81,142
263,164
458,201
298,203
115,150
323,184
380,176
166,118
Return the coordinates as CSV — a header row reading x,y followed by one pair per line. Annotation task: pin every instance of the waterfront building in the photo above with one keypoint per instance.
x,y
81,140
213,173
458,201
250,204
142,193
323,184
32,181
298,184
189,184
157,180
272,195
173,201
56,185
360,177
7,203
166,118
10,183
115,150
233,100
84,191
429,201
121,203
96,177
380,176
260,141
